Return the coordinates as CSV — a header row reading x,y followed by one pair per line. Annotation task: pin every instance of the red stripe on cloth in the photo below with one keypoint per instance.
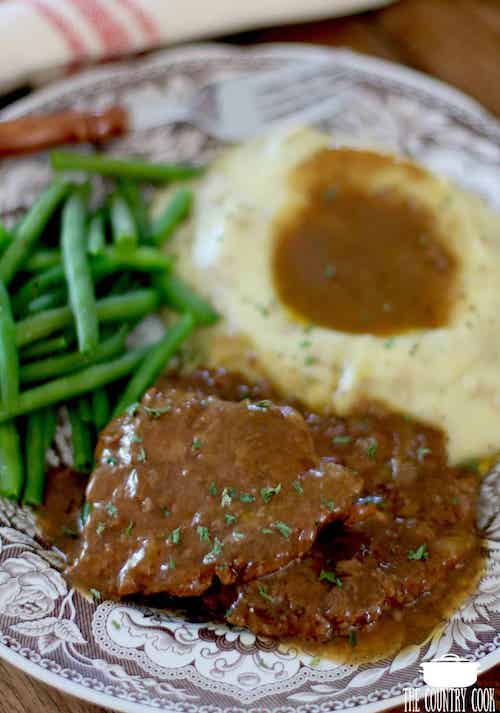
x,y
114,38
145,22
73,40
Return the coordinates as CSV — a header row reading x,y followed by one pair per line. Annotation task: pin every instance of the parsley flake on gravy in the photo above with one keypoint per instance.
x,y
298,487
326,576
283,529
203,533
264,593
268,492
419,554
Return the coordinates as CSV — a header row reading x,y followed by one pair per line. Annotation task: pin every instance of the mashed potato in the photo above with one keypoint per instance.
x,y
442,368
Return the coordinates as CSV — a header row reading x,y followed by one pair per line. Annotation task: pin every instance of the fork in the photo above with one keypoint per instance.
x,y
228,109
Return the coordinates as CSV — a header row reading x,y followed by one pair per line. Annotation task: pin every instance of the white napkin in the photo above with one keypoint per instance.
x,y
39,38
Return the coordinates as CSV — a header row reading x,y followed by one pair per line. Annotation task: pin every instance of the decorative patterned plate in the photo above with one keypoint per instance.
x,y
136,659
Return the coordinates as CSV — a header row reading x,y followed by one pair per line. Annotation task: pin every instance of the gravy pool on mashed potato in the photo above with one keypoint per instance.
x,y
346,276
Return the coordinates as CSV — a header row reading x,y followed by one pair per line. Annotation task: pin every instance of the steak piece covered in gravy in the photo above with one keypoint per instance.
x,y
190,487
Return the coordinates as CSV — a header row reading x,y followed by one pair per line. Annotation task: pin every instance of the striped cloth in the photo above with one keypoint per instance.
x,y
39,38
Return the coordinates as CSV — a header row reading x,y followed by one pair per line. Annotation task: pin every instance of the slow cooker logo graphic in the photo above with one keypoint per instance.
x,y
450,671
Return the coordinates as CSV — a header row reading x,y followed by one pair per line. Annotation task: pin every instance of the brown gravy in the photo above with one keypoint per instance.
x,y
361,260
410,498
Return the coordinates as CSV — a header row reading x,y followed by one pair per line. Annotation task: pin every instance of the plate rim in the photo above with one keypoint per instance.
x,y
471,107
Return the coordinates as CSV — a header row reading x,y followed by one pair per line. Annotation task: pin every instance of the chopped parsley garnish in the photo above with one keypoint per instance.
x,y
141,456
132,409
175,537
419,554
455,500
135,438
227,497
330,193
203,533
472,466
111,509
326,576
266,531
196,444
310,360
314,661
171,563
264,404
214,552
341,440
213,489
353,638
330,271
298,487
389,343
86,510
111,460
263,310
69,532
116,624
166,511
101,526
264,593
238,536
305,344
230,519
268,492
283,528
422,452
247,497
96,595
371,450
129,528
158,411
329,504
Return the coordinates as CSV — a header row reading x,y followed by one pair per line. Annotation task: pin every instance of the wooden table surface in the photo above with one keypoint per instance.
x,y
455,40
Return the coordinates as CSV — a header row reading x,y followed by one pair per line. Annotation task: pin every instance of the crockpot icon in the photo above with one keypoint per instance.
x,y
450,671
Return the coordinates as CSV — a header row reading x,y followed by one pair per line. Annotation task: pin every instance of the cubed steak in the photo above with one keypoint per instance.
x,y
190,488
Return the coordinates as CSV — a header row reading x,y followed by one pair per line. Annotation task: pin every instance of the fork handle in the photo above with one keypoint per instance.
x,y
33,133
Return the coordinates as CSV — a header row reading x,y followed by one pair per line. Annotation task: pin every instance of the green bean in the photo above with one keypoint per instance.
x,y
75,384
117,308
37,285
81,440
122,168
177,295
9,358
134,196
123,227
50,423
77,271
42,260
97,234
44,347
84,410
5,238
100,408
54,298
142,259
30,229
36,437
65,363
11,462
155,362
175,212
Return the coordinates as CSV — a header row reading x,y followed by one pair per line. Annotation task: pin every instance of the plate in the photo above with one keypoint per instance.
x,y
138,659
